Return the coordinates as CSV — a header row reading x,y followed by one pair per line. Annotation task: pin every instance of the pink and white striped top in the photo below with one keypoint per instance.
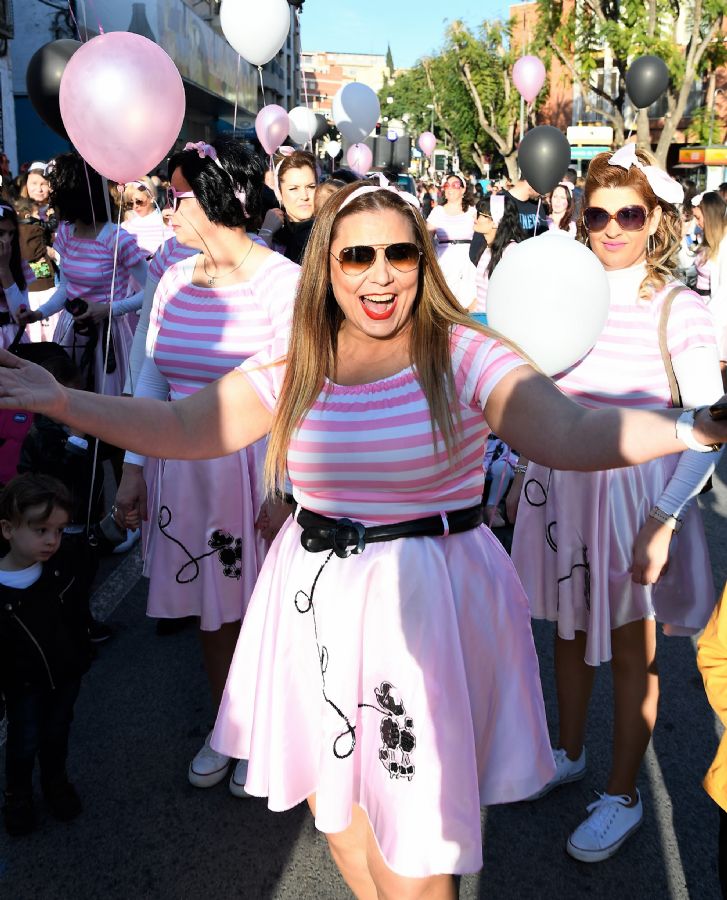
x,y
703,267
150,231
625,367
201,333
366,451
169,253
87,263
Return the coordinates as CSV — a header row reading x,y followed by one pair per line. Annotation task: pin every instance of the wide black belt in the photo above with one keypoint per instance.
x,y
458,241
703,292
345,537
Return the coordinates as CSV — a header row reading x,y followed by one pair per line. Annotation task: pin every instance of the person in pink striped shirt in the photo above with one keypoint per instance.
x,y
385,670
599,553
211,310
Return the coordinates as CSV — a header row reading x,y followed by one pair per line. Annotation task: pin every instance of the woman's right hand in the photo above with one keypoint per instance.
x,y
131,497
25,385
26,316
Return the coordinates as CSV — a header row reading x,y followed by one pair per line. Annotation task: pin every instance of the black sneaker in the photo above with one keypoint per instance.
x,y
99,631
19,814
62,800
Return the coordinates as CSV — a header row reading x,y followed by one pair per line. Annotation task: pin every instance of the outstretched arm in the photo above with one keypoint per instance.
x,y
218,420
529,412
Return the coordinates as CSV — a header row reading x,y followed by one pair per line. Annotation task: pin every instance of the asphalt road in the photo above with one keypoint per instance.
x,y
146,833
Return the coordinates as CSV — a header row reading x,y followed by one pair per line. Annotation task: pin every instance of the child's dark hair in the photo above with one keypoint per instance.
x,y
509,229
29,490
8,214
77,191
215,188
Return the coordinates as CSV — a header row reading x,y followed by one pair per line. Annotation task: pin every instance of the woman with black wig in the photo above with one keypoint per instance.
x,y
86,242
13,277
498,221
211,311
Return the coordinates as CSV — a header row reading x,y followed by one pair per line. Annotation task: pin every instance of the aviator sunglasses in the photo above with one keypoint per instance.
x,y
403,257
629,218
174,196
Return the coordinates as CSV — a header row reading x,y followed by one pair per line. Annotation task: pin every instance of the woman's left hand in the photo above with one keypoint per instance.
x,y
96,312
273,515
651,552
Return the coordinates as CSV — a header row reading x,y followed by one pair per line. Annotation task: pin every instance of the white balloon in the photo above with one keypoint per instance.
x,y
333,148
550,296
256,31
356,111
303,124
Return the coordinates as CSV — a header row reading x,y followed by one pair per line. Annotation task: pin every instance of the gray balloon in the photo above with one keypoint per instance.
x,y
646,80
544,157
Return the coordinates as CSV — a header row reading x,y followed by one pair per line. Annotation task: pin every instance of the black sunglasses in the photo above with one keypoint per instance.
x,y
629,218
403,257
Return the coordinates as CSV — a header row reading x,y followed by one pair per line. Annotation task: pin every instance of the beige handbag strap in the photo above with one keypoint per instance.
x,y
676,397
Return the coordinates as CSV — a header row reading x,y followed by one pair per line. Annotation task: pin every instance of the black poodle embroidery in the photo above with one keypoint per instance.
x,y
229,553
222,543
397,733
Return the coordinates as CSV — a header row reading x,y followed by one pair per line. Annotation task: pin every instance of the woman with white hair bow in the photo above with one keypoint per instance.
x,y
498,221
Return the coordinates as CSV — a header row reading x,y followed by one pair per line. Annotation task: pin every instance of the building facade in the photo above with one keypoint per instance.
x,y
219,92
325,73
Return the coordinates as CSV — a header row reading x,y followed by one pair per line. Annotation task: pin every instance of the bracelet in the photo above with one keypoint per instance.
x,y
674,522
520,468
265,231
685,432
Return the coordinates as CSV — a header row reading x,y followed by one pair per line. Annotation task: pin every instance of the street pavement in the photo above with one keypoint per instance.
x,y
146,833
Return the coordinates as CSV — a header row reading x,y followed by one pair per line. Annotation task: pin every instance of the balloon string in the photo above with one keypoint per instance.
x,y
537,216
75,21
237,94
628,136
95,12
262,86
305,82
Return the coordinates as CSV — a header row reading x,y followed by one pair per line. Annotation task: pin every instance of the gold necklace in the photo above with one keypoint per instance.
x,y
212,279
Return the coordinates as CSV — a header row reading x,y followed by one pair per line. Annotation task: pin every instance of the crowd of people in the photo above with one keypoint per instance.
x,y
321,431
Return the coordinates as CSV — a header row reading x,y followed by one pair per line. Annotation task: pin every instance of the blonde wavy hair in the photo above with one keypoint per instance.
x,y
713,210
663,247
317,319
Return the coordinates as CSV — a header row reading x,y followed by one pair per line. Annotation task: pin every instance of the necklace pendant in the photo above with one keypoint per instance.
x,y
211,282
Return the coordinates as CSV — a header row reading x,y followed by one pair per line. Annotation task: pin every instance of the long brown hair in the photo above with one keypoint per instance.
x,y
317,319
713,210
661,256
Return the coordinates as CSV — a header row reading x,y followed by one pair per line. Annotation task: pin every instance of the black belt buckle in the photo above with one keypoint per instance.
x,y
342,549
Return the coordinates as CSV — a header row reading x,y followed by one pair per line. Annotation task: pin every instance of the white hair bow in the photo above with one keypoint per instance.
x,y
663,185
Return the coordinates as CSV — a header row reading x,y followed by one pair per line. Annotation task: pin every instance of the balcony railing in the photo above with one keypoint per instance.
x,y
6,19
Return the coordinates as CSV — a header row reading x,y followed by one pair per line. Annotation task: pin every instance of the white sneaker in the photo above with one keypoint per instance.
x,y
238,779
610,822
566,770
209,767
131,538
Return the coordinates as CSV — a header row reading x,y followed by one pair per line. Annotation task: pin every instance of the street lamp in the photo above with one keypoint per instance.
x,y
711,118
431,106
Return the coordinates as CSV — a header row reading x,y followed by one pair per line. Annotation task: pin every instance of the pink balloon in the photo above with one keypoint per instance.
x,y
427,143
528,74
359,158
122,104
272,126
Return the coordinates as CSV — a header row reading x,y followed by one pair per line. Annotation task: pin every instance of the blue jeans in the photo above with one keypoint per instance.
x,y
39,722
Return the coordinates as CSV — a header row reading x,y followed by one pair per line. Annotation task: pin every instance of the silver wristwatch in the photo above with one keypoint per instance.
x,y
672,521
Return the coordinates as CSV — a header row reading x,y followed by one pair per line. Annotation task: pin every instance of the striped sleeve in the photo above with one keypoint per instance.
x,y
282,285
266,370
130,253
478,363
690,324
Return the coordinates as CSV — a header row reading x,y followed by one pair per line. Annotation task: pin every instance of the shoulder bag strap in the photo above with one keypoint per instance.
x,y
676,397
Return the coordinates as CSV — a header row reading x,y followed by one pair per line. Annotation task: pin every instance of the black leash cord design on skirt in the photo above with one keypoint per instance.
x,y
304,603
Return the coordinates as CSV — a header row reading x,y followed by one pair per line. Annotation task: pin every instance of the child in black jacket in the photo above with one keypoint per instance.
x,y
44,642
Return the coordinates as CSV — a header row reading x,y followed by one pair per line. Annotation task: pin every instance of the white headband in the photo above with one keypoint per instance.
x,y
372,188
697,199
497,208
663,185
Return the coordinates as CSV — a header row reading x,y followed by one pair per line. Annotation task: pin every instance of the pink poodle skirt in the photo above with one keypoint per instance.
x,y
74,343
202,552
573,549
403,679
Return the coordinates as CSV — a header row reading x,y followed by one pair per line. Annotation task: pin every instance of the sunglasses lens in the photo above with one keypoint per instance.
x,y
631,218
355,260
595,218
403,257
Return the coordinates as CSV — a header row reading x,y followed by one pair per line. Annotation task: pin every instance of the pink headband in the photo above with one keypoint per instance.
x,y
208,151
663,185
372,188
567,185
497,208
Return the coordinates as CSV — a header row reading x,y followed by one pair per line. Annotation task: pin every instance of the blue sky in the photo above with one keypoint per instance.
x,y
367,26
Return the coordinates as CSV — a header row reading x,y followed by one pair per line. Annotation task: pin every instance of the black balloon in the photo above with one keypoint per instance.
x,y
321,127
646,80
43,80
544,157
